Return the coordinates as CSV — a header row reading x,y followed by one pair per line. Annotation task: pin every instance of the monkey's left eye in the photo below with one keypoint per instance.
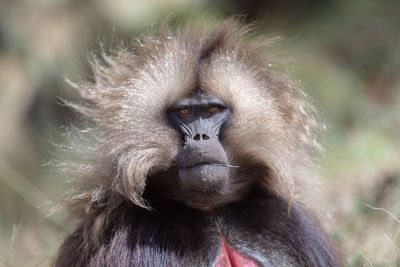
x,y
213,109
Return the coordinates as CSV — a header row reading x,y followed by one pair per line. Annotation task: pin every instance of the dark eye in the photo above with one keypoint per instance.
x,y
213,110
185,112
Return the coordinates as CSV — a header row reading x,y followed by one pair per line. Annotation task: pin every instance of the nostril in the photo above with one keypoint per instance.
x,y
196,137
205,137
184,137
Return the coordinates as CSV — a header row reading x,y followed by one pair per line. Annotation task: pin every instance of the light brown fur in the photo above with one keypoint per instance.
x,y
273,122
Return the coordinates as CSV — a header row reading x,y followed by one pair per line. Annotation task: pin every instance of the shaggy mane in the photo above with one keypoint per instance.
x,y
273,122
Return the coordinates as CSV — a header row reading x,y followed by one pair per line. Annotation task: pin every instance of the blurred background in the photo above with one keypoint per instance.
x,y
347,56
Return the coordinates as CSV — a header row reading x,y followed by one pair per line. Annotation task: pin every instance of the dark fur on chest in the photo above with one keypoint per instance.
x,y
176,235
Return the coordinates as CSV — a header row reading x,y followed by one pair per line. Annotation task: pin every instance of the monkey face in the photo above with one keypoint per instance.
x,y
202,162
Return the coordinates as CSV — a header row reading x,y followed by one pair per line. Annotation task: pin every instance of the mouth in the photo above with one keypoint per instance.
x,y
217,164
202,206
199,164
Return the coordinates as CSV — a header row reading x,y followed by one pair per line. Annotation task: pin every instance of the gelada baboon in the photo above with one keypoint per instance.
x,y
200,147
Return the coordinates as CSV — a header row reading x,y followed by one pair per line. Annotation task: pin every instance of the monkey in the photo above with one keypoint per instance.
x,y
200,147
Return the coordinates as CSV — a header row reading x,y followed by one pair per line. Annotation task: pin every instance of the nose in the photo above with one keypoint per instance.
x,y
203,136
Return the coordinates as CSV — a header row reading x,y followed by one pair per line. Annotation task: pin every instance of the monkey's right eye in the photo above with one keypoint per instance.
x,y
185,112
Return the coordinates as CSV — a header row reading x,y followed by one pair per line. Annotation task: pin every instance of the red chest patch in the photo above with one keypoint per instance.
x,y
230,257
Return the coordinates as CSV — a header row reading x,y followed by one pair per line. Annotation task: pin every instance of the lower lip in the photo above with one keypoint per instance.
x,y
202,206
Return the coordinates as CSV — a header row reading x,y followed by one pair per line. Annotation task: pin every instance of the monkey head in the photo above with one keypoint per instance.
x,y
194,116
